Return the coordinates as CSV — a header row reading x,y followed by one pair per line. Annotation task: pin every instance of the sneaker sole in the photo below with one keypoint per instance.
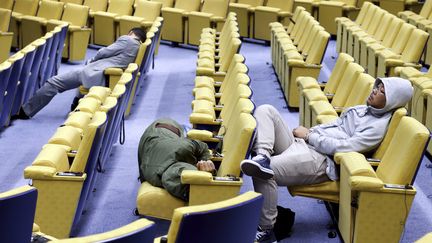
x,y
252,168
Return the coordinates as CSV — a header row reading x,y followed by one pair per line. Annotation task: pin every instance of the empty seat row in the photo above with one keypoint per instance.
x,y
217,49
347,86
69,162
421,105
423,22
380,41
27,70
297,53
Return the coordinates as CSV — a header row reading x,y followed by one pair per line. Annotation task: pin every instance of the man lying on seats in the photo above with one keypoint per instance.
x,y
302,156
164,152
119,54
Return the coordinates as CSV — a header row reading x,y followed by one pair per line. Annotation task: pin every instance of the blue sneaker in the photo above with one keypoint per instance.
x,y
258,166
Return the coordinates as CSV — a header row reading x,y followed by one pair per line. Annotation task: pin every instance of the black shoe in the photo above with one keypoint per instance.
x,y
264,235
74,103
258,166
21,115
284,223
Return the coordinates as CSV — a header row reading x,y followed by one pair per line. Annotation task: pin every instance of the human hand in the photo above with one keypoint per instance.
x,y
301,132
206,165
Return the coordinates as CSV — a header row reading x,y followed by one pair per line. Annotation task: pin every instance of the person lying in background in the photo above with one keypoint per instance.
x,y
119,54
164,152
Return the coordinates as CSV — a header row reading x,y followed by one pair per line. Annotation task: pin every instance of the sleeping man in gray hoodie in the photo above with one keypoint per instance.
x,y
303,156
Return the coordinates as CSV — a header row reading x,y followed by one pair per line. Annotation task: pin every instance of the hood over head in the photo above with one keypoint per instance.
x,y
398,92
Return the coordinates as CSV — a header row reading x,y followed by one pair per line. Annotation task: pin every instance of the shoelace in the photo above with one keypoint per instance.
x,y
261,234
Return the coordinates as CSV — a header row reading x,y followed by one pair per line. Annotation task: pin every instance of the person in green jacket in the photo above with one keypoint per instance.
x,y
164,152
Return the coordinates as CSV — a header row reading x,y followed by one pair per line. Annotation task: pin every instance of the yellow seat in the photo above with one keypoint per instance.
x,y
5,37
372,198
175,20
245,11
6,4
21,8
273,11
305,84
144,15
54,177
410,56
343,23
310,66
328,11
360,90
34,27
212,15
104,27
78,35
397,46
394,7
412,17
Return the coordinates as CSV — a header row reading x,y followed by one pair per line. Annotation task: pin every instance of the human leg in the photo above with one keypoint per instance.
x,y
54,85
171,180
273,135
298,165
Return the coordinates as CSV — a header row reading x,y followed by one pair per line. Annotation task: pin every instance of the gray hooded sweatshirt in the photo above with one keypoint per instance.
x,y
360,128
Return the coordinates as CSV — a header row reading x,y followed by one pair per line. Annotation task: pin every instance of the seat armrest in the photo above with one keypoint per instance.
x,y
267,9
355,164
106,14
195,177
202,135
173,10
365,183
113,71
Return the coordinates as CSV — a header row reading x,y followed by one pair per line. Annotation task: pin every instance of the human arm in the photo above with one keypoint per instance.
x,y
206,165
301,132
112,50
360,141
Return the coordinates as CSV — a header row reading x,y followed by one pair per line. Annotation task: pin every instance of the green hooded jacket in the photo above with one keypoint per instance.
x,y
163,155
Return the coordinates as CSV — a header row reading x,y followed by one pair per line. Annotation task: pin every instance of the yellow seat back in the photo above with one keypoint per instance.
x,y
50,9
360,90
350,75
26,7
96,5
216,7
6,4
236,144
75,14
122,7
188,5
400,161
337,73
5,16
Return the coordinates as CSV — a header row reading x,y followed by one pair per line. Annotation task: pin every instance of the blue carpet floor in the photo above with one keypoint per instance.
x,y
167,93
